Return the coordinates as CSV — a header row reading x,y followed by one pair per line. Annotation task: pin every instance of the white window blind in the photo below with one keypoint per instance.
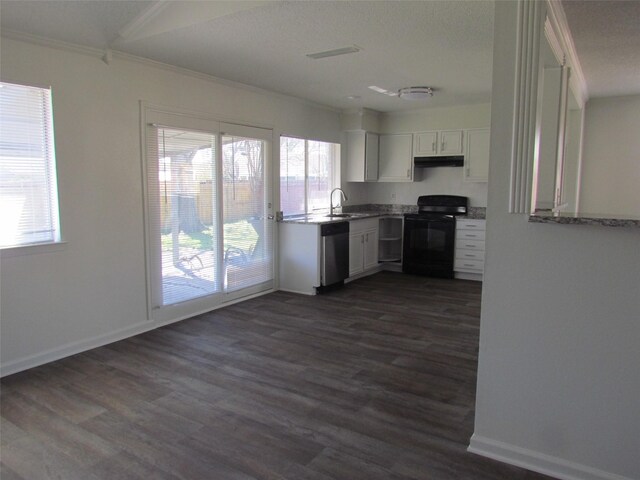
x,y
293,176
248,242
308,173
28,190
182,172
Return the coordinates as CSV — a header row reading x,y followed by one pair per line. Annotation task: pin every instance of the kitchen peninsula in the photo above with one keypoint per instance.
x,y
375,243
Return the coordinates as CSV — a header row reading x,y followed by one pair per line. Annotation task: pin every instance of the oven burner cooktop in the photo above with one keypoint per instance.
x,y
442,205
429,235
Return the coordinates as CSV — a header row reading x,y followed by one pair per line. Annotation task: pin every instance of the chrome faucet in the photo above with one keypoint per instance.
x,y
344,199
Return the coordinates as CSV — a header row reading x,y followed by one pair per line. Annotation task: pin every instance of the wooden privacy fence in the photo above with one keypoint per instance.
x,y
238,203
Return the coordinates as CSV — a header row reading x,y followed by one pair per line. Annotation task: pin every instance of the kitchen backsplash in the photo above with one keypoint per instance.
x,y
474,212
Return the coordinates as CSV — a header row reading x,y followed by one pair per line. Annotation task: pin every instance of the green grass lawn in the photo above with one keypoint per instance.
x,y
238,234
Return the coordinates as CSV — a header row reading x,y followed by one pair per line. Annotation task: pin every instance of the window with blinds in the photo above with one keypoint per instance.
x,y
308,172
28,189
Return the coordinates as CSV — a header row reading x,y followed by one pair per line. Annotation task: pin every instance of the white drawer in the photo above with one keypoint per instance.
x,y
464,254
470,235
470,244
358,226
466,224
461,265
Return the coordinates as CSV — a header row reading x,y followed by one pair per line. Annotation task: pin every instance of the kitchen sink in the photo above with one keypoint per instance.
x,y
341,215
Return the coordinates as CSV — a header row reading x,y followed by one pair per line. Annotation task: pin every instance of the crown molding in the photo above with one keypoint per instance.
x,y
558,19
108,56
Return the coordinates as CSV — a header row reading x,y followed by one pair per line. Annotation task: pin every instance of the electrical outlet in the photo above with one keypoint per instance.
x,y
393,196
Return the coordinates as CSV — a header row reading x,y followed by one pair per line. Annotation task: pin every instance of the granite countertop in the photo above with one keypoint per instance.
x,y
567,218
321,218
357,212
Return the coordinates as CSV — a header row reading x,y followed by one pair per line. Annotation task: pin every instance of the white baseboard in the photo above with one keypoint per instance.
x,y
300,292
72,348
75,347
468,276
536,461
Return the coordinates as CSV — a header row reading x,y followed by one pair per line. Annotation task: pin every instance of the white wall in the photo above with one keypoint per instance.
x,y
93,289
558,378
611,156
427,181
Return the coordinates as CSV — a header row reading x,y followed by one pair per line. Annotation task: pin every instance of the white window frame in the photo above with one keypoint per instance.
x,y
335,169
196,121
56,243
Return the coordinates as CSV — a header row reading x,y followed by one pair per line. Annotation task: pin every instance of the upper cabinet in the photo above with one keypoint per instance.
x,y
425,144
438,143
390,157
362,156
396,158
476,159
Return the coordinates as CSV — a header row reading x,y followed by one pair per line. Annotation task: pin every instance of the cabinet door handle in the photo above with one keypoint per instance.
x,y
469,255
433,147
442,146
408,173
362,239
470,235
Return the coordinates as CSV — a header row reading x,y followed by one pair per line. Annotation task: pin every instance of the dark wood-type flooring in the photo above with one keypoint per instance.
x,y
374,381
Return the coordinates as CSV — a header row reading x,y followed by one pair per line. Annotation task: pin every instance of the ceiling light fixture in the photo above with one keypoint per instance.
x,y
415,93
334,53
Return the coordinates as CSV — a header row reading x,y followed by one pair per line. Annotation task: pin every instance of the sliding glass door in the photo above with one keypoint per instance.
x,y
209,219
247,218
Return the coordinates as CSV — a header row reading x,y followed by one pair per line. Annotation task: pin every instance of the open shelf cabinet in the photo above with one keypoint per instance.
x,y
390,240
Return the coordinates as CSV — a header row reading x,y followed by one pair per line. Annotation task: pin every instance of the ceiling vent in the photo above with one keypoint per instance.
x,y
415,93
334,53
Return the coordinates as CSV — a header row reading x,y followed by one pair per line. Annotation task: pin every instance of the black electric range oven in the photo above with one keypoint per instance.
x,y
429,235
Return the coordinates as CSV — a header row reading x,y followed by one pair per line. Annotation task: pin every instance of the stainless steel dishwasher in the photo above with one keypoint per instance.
x,y
335,254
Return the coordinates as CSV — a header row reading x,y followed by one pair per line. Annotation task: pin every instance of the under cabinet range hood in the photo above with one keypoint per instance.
x,y
447,161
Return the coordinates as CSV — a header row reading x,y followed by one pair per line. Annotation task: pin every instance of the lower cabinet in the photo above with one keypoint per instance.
x,y
469,251
300,256
363,245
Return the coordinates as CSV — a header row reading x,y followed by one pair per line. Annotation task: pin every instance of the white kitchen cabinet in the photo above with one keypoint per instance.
x,y
438,143
363,245
450,142
300,257
396,158
362,156
370,256
425,144
356,253
476,159
469,248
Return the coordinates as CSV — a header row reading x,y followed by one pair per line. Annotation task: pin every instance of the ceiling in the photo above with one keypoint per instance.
x,y
446,45
606,35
